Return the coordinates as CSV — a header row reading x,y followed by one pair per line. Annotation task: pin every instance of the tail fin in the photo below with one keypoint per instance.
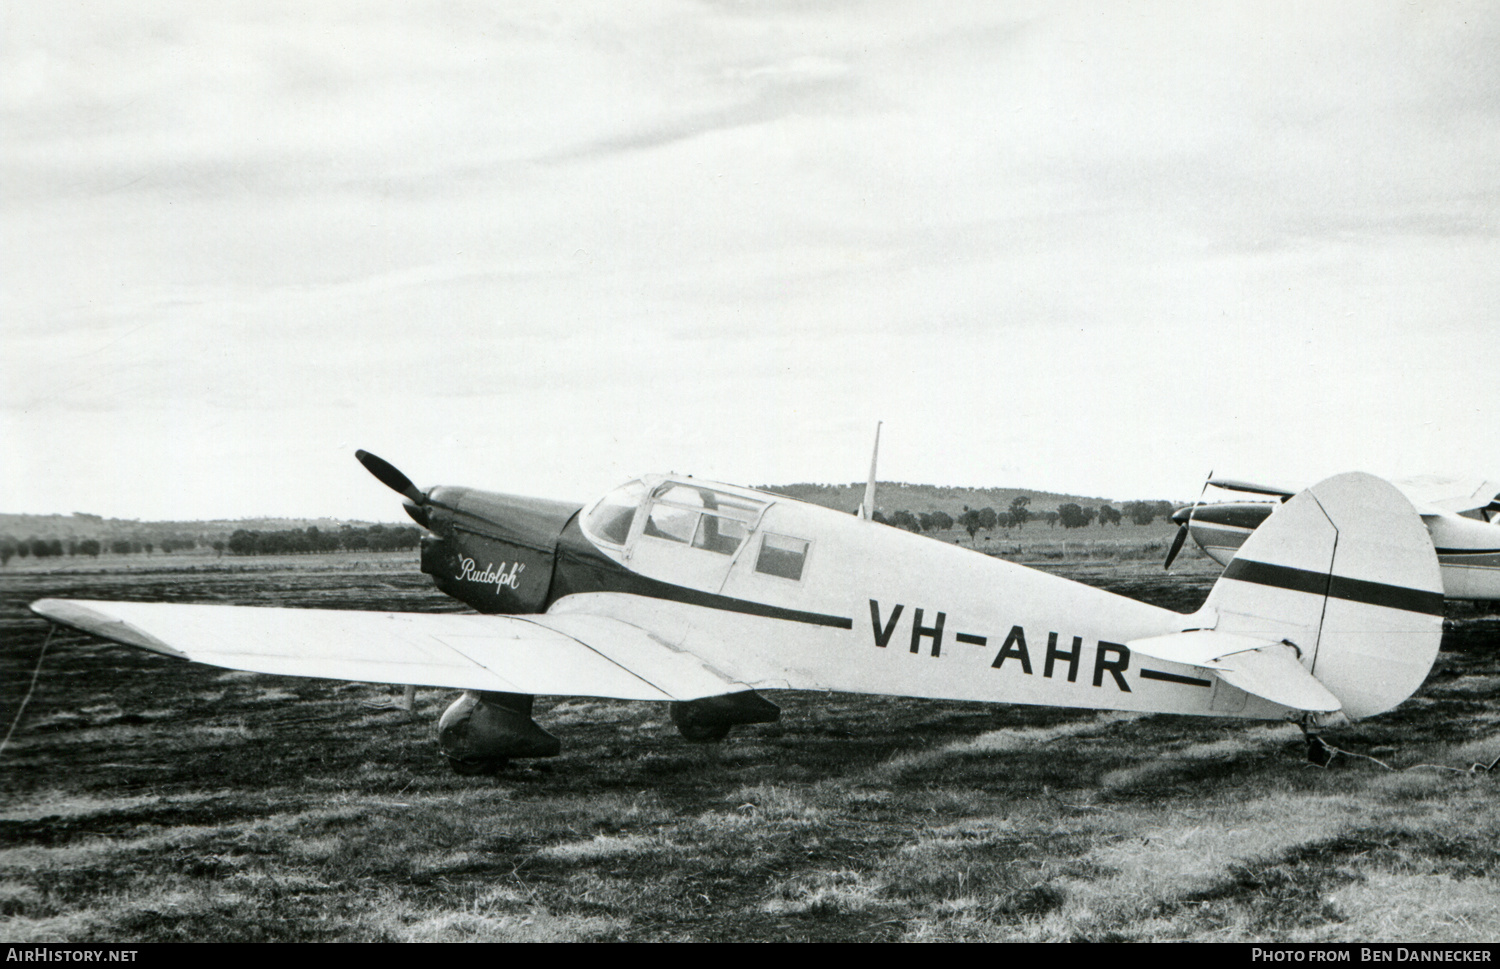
x,y
1346,572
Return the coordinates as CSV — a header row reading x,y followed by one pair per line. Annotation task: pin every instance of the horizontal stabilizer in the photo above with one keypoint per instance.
x,y
1266,668
1274,672
1196,647
545,655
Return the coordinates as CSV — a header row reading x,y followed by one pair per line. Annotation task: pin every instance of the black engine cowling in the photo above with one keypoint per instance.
x,y
493,551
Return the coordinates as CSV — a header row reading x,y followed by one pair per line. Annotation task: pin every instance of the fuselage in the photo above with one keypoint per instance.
x,y
1468,549
777,593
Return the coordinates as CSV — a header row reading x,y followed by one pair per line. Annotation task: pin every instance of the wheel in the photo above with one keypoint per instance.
x,y
477,768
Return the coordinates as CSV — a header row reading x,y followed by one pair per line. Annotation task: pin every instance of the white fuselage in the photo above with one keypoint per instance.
x,y
901,614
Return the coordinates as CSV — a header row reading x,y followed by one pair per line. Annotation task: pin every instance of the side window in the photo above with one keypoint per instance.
x,y
674,513
719,534
781,556
701,517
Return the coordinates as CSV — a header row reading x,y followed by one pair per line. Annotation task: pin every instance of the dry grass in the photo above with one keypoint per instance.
x,y
143,800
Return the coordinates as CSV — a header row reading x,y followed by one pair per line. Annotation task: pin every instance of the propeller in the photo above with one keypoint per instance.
x,y
393,479
1185,524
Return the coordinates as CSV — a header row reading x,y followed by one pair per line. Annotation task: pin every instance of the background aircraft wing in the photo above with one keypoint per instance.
x,y
1431,494
1252,487
1451,494
551,656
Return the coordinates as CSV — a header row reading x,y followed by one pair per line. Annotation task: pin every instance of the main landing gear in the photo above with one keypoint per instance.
x,y
708,720
482,731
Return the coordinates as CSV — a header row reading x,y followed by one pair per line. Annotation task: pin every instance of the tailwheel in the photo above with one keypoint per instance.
x,y
1319,753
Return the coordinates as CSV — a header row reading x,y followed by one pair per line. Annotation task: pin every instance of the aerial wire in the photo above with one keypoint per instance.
x,y
51,628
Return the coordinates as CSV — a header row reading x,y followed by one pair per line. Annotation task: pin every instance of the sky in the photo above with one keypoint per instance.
x,y
541,248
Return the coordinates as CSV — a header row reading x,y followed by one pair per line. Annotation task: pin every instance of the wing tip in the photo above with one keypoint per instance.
x,y
86,617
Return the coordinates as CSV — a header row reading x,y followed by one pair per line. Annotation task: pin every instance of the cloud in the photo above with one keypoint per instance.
x,y
788,95
712,235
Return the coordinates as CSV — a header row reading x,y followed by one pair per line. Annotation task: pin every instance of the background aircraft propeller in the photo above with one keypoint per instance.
x,y
393,479
1184,524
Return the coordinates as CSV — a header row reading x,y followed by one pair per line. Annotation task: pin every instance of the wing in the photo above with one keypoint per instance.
x,y
1451,494
1252,487
571,655
1432,494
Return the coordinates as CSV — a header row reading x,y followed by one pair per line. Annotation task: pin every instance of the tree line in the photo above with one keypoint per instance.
x,y
374,538
42,548
1068,515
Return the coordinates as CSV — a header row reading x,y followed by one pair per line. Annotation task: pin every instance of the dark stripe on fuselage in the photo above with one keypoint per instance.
x,y
582,568
1336,586
1173,678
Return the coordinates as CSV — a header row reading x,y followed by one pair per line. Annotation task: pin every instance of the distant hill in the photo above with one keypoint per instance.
x,y
892,496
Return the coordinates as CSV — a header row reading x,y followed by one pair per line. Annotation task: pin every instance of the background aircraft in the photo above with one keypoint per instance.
x,y
1462,517
701,594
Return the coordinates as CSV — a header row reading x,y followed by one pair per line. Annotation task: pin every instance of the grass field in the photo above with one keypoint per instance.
x,y
144,799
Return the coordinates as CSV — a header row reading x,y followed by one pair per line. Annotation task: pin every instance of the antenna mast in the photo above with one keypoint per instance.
x,y
867,507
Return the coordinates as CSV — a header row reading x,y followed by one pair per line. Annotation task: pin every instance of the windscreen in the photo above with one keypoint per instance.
x,y
610,520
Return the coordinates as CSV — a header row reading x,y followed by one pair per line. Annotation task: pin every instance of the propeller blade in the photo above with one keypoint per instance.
x,y
390,477
1182,534
1187,523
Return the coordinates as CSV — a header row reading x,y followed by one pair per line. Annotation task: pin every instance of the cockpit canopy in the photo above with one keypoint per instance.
x,y
693,514
663,525
702,517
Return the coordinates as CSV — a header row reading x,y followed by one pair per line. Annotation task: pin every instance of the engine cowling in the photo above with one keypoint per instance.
x,y
493,551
